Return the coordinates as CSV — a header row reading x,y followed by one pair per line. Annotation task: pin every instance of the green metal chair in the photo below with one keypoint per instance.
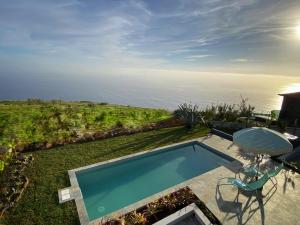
x,y
276,171
254,185
250,171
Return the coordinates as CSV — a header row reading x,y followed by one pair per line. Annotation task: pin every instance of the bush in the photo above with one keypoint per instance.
x,y
34,101
6,155
245,109
228,113
119,124
5,159
100,117
189,114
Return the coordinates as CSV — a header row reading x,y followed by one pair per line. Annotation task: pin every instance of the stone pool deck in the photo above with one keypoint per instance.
x,y
279,205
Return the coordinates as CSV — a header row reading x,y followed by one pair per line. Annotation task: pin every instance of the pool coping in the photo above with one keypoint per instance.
x,y
78,197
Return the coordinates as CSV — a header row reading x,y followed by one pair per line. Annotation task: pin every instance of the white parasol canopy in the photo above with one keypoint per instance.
x,y
261,140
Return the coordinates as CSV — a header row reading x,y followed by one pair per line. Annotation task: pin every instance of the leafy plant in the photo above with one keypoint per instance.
x,y
274,115
135,218
6,156
100,117
245,109
119,124
151,209
189,114
227,112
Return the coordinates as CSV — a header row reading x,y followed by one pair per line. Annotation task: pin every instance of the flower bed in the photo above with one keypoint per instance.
x,y
162,208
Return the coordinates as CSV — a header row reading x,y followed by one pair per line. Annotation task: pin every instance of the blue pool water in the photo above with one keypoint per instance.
x,y
108,188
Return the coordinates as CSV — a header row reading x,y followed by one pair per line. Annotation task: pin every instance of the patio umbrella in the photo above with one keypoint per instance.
x,y
262,141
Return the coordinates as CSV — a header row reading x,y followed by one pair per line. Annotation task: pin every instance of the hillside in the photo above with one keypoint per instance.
x,y
46,123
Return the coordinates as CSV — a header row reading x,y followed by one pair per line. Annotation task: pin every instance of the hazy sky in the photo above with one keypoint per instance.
x,y
120,36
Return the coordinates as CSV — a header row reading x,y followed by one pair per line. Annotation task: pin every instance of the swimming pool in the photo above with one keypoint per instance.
x,y
112,186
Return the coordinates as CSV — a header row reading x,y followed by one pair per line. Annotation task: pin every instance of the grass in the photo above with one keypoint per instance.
x,y
48,173
34,121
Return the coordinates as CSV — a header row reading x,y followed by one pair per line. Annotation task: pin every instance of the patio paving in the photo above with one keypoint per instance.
x,y
278,205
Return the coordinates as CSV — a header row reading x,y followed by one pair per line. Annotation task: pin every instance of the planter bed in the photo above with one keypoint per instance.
x,y
162,208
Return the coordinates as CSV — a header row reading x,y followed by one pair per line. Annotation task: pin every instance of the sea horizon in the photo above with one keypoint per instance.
x,y
156,91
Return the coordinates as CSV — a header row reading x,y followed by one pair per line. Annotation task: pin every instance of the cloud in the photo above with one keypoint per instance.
x,y
197,57
136,33
239,60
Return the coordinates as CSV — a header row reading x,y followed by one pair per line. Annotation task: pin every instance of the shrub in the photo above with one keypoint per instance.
x,y
103,103
227,112
34,101
5,159
136,218
245,109
6,155
189,114
119,124
100,117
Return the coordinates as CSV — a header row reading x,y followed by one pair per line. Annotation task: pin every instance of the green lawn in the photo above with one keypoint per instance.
x,y
48,172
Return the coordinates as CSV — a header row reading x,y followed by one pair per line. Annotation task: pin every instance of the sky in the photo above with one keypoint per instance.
x,y
245,36
76,38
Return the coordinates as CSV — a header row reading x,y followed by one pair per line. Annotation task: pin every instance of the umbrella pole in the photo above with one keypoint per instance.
x,y
258,160
257,164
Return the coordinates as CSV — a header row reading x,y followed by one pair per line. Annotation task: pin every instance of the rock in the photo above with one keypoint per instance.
x,y
99,135
48,145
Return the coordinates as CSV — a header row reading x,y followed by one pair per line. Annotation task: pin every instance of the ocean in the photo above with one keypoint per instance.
x,y
150,90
